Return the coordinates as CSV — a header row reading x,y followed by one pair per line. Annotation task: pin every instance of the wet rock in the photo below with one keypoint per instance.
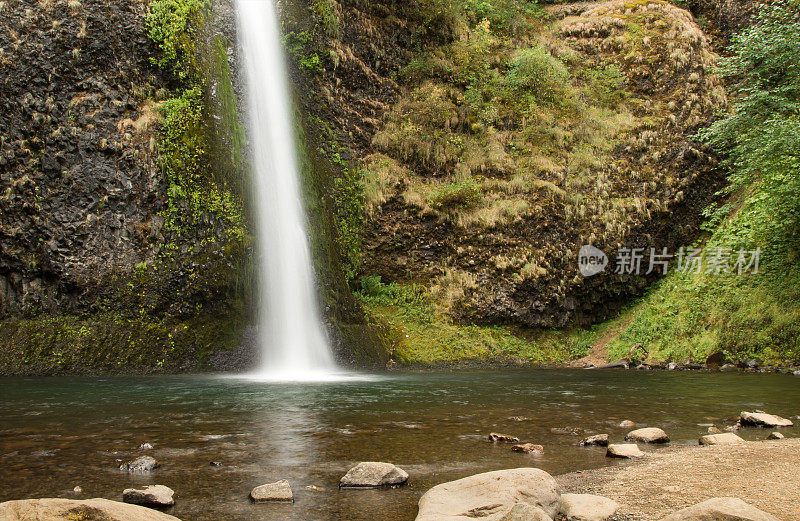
x,y
525,512
77,490
727,508
141,464
775,436
491,496
762,419
726,438
600,440
587,507
714,430
528,448
796,373
151,496
648,435
716,360
146,446
502,438
216,463
280,491
626,424
96,509
728,368
672,366
519,419
733,428
371,474
624,450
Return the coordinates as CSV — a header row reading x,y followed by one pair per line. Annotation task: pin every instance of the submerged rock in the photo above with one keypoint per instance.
x,y
502,438
626,424
624,450
600,440
371,474
727,508
88,509
648,435
762,419
141,464
492,496
726,438
587,507
280,491
528,448
153,495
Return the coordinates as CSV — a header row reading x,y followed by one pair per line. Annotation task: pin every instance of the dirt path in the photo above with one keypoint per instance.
x,y
763,473
598,353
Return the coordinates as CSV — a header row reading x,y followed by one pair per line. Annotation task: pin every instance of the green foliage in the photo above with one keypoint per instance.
x,y
461,194
535,71
350,200
325,12
762,133
168,25
301,48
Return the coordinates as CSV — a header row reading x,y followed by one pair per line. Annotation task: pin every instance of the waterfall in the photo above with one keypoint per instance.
x,y
293,342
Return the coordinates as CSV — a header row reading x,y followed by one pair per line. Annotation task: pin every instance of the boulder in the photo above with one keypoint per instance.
x,y
528,448
600,440
648,435
587,507
525,512
775,436
714,430
141,464
280,491
151,496
626,424
372,474
88,509
762,419
491,496
624,450
502,438
726,438
723,509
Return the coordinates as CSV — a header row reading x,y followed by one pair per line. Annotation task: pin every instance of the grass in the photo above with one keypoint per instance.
x,y
424,336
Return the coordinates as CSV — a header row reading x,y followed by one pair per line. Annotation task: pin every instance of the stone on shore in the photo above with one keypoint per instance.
x,y
372,474
762,419
502,438
61,509
280,491
491,496
587,507
528,448
624,450
648,435
141,464
151,496
775,436
600,440
726,438
723,508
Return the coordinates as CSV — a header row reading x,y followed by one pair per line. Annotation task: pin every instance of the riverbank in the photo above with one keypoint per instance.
x,y
762,473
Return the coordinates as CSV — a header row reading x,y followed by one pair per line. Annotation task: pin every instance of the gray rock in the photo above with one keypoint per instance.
x,y
371,474
600,440
723,509
624,450
726,438
153,495
728,368
61,509
648,435
141,464
775,436
491,496
280,491
762,419
525,512
528,448
626,424
587,507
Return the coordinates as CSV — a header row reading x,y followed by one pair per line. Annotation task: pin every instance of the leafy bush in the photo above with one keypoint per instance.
x,y
536,71
461,194
167,23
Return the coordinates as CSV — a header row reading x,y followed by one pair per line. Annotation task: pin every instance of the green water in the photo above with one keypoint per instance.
x,y
59,433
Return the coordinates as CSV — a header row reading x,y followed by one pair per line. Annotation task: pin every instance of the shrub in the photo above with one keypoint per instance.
x,y
461,194
537,72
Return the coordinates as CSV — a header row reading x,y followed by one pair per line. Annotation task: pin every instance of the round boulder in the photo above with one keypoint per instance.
x,y
624,450
491,496
726,438
727,508
278,492
600,440
151,496
762,419
648,435
587,507
61,509
141,464
372,474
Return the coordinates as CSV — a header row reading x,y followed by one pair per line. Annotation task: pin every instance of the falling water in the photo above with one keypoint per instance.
x,y
293,342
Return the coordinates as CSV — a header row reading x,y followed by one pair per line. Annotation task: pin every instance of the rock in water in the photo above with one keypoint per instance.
x,y
141,464
371,474
600,440
502,438
648,435
626,424
88,509
624,450
525,512
152,496
762,419
280,491
528,448
587,507
775,436
726,438
723,508
491,496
